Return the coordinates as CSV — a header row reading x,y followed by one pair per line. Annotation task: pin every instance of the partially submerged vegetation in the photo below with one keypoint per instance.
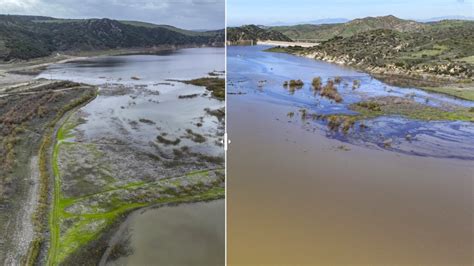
x,y
386,106
196,137
215,85
317,84
162,139
188,96
330,91
218,113
294,83
407,107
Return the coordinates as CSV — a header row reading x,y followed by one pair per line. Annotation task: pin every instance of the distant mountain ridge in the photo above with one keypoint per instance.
x,y
436,19
25,37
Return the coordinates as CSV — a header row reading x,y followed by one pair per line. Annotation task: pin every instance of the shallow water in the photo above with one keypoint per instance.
x,y
249,65
303,197
187,234
123,101
130,113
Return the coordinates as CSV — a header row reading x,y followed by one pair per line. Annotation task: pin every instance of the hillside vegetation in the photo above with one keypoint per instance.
x,y
26,37
327,31
254,33
442,50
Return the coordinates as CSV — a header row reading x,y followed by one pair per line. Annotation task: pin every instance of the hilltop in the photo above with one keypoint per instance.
x,y
327,31
26,37
254,33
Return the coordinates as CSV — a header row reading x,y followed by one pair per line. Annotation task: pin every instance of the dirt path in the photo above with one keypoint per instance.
x,y
24,226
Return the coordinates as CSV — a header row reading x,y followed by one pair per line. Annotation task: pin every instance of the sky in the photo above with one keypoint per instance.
x,y
268,12
187,14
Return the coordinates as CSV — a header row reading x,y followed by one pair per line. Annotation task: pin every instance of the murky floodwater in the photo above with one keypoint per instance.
x,y
299,198
249,66
187,234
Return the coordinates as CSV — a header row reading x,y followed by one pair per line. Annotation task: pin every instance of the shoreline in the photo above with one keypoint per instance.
x,y
448,85
22,72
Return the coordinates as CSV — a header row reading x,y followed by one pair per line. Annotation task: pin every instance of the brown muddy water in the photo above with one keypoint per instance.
x,y
297,197
187,234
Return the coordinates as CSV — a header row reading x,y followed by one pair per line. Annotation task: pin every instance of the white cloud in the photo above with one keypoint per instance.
x,y
17,4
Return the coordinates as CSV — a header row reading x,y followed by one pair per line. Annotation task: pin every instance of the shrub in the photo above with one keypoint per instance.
x,y
316,83
331,92
372,106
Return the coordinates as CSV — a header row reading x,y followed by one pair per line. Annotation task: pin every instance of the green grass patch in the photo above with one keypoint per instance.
x,y
461,93
410,109
215,85
467,59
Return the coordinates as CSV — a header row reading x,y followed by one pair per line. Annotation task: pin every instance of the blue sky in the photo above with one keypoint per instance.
x,y
294,11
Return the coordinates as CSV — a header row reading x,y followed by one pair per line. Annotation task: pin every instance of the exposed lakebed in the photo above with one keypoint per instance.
x,y
142,141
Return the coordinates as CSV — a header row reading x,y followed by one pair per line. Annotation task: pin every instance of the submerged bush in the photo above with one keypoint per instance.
x,y
330,91
296,83
355,84
317,83
372,106
166,141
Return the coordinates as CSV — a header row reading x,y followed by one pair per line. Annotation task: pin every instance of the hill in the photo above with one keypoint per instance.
x,y
26,37
254,33
327,31
440,50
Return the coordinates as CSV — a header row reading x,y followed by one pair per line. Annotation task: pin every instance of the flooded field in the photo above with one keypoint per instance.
x,y
308,195
261,75
147,138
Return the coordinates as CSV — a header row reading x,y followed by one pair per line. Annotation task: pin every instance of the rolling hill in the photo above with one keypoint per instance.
x,y
254,33
327,31
26,37
441,49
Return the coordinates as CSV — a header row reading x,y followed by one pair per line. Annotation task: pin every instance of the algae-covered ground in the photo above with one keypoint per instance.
x,y
97,182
